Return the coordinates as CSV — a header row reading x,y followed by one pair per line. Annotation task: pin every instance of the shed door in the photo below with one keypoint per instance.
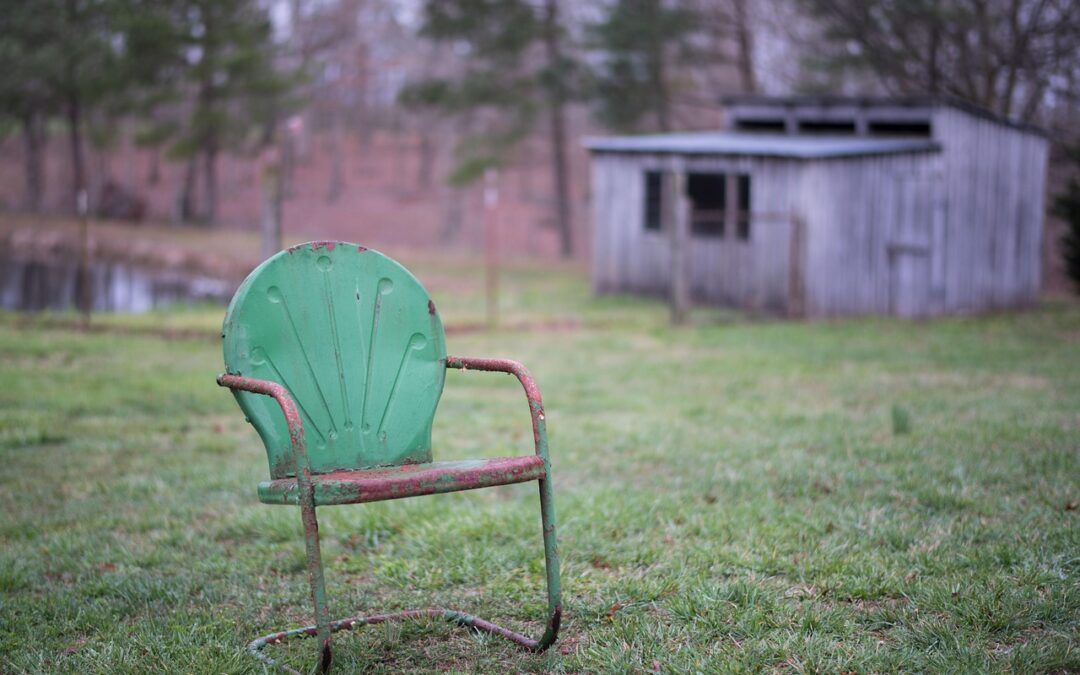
x,y
910,246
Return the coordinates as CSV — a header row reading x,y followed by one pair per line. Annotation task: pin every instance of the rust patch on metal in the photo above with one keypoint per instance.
x,y
323,243
325,657
255,647
431,307
554,622
413,480
276,392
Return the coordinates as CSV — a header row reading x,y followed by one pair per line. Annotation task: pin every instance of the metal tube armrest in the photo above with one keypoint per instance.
x,y
532,392
288,408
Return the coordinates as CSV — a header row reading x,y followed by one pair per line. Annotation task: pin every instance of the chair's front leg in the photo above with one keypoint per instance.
x,y
547,496
307,501
315,575
551,564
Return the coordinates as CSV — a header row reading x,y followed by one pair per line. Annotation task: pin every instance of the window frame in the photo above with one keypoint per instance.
x,y
653,182
736,205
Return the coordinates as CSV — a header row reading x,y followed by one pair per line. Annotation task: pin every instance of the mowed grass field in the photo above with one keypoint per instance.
x,y
742,495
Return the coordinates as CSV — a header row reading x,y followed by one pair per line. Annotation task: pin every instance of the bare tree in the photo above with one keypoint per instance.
x,y
728,34
557,100
1009,56
514,69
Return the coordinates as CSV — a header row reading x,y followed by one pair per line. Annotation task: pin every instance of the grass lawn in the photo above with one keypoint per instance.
x,y
864,495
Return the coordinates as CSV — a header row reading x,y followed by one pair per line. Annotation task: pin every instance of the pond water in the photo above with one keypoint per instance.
x,y
32,285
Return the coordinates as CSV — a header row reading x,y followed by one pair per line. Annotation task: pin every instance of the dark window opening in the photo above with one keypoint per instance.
x,y
838,127
708,198
711,214
900,128
760,125
742,206
654,201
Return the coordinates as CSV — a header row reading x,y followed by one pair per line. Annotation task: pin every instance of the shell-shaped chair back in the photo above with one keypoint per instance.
x,y
356,341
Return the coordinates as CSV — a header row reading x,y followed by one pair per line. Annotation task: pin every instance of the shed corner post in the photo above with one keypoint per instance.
x,y
679,235
796,304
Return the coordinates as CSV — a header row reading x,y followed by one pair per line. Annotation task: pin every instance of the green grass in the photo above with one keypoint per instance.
x,y
866,495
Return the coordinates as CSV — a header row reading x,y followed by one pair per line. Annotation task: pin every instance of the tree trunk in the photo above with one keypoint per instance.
x,y
271,206
78,166
337,140
185,201
426,158
659,80
560,173
34,141
80,203
745,35
153,174
935,47
210,184
288,163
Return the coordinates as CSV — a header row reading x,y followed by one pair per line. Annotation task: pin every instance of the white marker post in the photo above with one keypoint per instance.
x,y
84,295
491,244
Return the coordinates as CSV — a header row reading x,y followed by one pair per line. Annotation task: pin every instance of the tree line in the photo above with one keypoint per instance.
x,y
194,79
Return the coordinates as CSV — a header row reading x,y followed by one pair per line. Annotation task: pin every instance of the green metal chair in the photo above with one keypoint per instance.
x,y
337,357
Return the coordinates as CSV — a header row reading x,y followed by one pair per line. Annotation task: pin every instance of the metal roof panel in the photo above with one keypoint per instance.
x,y
760,145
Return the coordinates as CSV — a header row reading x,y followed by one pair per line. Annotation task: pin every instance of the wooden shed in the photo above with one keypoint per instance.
x,y
826,206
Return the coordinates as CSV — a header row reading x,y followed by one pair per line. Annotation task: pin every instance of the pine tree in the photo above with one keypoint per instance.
x,y
26,93
1067,207
63,57
237,92
516,69
641,43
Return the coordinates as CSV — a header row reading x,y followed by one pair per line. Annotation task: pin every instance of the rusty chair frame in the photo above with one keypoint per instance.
x,y
417,485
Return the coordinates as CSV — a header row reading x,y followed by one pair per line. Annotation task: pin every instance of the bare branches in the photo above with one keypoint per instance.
x,y
1001,54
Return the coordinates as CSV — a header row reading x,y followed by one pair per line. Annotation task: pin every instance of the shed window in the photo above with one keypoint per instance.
x,y
742,207
708,196
711,213
654,201
827,127
760,124
915,129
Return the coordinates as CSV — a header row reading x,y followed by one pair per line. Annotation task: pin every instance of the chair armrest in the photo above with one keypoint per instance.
x,y
532,392
288,408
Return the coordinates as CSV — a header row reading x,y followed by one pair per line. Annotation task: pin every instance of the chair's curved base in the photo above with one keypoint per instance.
x,y
255,647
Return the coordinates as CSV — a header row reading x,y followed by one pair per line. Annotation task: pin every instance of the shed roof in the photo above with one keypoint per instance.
x,y
760,145
910,101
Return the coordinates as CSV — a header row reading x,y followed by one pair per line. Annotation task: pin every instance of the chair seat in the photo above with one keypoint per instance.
x,y
410,480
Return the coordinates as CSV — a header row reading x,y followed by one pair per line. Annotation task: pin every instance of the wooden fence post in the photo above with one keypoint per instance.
x,y
679,231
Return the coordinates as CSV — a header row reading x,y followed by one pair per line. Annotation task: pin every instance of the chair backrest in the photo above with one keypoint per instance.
x,y
358,343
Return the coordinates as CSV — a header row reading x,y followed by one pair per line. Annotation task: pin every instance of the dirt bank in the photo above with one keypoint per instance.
x,y
221,255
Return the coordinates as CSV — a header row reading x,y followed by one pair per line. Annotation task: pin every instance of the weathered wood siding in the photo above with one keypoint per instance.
x,y
915,234
751,273
871,224
995,185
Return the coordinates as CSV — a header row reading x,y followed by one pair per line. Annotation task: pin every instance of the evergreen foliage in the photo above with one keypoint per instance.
x,y
1067,207
641,42
504,85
